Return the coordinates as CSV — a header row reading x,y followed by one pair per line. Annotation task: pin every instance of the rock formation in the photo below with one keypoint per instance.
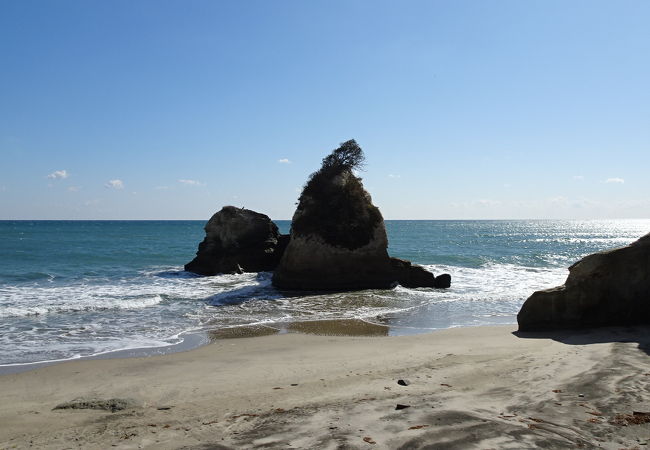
x,y
338,238
609,288
411,275
238,240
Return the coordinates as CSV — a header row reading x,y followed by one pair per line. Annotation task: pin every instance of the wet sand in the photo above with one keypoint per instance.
x,y
482,387
335,327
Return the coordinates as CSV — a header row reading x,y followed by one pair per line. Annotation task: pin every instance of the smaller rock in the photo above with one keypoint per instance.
x,y
411,275
609,288
111,404
403,382
400,406
442,281
420,277
238,240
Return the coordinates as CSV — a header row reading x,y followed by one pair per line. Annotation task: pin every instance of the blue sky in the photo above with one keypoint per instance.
x,y
465,109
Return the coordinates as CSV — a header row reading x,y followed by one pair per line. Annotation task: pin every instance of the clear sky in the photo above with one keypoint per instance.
x,y
465,109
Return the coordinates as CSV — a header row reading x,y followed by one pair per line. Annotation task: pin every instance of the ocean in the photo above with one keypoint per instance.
x,y
71,289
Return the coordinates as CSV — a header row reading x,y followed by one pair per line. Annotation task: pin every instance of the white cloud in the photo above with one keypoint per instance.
x,y
487,203
73,188
558,201
161,188
191,182
578,177
58,174
635,203
615,180
583,203
284,161
482,203
115,184
390,175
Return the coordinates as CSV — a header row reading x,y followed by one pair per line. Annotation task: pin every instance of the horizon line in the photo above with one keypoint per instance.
x,y
289,220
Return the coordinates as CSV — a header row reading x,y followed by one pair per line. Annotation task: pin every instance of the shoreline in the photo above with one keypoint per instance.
x,y
196,339
469,387
192,341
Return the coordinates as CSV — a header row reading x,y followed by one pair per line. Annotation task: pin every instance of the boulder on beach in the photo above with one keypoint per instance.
x,y
238,240
610,288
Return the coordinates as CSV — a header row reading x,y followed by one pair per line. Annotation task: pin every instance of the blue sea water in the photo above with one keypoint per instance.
x,y
80,288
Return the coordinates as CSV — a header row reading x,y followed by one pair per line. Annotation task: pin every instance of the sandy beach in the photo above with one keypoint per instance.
x,y
481,387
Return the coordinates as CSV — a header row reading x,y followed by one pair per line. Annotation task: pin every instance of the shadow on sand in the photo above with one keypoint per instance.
x,y
639,334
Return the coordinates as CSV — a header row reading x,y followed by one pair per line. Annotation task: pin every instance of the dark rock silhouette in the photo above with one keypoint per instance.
x,y
442,281
411,275
610,288
238,240
338,238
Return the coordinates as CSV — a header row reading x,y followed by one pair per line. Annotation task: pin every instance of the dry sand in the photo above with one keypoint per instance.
x,y
469,388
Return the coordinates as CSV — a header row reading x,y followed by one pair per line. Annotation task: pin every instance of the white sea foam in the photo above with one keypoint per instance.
x,y
499,281
91,298
152,308
140,292
69,299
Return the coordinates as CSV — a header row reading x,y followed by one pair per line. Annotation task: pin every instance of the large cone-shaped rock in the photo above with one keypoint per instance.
x,y
338,239
238,240
610,288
